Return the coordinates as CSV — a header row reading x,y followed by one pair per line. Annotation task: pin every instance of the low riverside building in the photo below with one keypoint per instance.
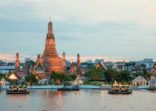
x,y
13,77
4,82
75,67
139,81
41,77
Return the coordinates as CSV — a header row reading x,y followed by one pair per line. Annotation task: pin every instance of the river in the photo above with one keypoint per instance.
x,y
83,100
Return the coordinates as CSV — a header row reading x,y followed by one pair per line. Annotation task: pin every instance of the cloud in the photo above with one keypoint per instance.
x,y
114,28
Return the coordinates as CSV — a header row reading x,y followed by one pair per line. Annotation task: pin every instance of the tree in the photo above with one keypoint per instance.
x,y
2,76
124,76
95,74
59,78
71,77
143,74
31,78
111,75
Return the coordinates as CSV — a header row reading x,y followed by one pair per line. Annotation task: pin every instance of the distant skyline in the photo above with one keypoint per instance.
x,y
114,29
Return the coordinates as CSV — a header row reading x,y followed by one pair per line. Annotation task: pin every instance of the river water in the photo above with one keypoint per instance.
x,y
83,100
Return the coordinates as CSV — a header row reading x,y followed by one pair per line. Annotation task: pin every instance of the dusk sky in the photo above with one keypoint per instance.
x,y
115,29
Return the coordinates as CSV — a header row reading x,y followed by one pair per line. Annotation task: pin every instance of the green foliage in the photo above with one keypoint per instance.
x,y
31,78
109,75
71,77
95,74
2,76
55,76
124,76
61,77
143,74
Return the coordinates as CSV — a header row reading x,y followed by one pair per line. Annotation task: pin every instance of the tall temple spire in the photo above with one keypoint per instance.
x,y
50,58
50,27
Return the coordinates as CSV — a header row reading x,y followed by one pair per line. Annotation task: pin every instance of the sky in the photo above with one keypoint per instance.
x,y
113,29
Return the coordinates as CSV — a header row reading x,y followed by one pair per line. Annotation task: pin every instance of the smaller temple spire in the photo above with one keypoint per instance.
x,y
64,62
78,59
17,62
78,71
50,27
63,55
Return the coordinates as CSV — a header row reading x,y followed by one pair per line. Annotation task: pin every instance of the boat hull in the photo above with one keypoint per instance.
x,y
120,92
17,92
67,89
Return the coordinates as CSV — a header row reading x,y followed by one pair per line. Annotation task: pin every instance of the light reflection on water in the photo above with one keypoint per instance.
x,y
83,100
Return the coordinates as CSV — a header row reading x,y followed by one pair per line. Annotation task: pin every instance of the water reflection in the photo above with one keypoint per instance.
x,y
83,100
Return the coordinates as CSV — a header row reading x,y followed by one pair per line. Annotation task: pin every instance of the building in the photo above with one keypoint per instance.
x,y
4,82
78,69
152,81
49,61
75,67
101,65
17,63
64,63
7,69
119,66
139,81
148,63
135,69
152,73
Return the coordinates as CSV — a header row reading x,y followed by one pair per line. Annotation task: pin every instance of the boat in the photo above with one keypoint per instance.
x,y
17,90
152,88
120,89
69,88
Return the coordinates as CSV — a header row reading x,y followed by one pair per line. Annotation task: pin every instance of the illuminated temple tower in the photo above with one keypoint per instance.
x,y
50,59
17,63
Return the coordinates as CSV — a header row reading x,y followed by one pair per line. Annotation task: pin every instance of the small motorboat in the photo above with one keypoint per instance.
x,y
69,88
120,89
17,90
152,88
129,91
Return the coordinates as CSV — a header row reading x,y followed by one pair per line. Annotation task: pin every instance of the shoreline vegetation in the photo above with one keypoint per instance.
x,y
95,78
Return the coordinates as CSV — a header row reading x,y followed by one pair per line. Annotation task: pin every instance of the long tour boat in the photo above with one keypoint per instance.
x,y
120,89
17,90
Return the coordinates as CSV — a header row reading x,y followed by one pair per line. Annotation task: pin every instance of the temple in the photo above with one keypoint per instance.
x,y
75,68
64,65
49,61
17,63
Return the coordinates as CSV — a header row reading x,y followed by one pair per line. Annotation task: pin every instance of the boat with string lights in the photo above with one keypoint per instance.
x,y
118,88
17,90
